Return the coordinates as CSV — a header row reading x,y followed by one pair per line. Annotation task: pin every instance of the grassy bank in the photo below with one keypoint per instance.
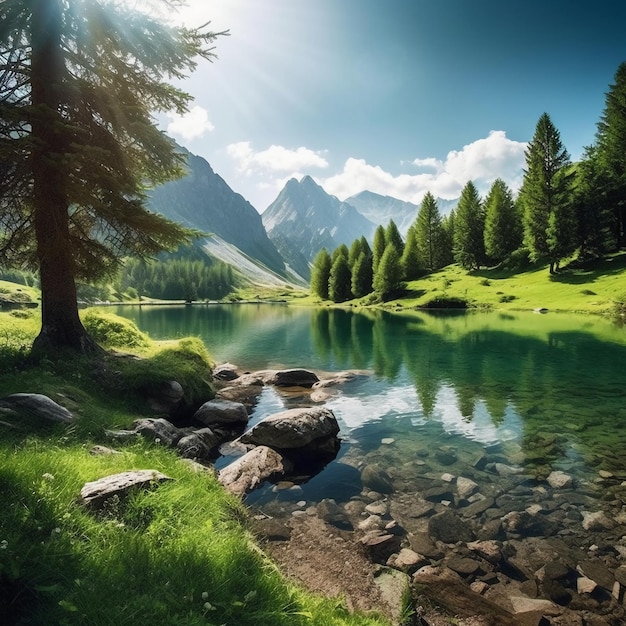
x,y
598,287
180,554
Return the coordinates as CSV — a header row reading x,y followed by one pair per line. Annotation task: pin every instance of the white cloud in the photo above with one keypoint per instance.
x,y
275,158
482,162
193,124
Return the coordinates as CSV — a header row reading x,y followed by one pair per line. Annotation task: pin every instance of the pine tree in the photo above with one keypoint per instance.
x,y
340,250
469,243
411,265
340,281
320,274
503,227
428,231
355,250
362,276
379,247
610,153
388,276
393,237
447,239
546,189
80,81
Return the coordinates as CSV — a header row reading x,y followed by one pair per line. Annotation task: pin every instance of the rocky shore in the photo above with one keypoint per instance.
x,y
468,535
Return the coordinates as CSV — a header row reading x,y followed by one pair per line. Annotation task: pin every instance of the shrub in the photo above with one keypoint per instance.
x,y
113,331
505,298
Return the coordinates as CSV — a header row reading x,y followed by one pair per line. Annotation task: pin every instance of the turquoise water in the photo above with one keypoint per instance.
x,y
536,392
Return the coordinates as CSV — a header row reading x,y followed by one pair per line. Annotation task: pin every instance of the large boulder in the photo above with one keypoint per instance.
x,y
199,444
295,428
220,411
159,430
249,471
94,494
36,405
289,378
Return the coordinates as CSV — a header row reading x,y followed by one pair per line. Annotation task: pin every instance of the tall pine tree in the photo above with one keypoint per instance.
x,y
503,227
469,221
546,190
429,233
320,274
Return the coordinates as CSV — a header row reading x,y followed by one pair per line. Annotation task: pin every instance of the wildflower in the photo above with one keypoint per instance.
x,y
48,476
209,607
205,595
4,544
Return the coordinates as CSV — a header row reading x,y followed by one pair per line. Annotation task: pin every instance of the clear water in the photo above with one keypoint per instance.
x,y
536,392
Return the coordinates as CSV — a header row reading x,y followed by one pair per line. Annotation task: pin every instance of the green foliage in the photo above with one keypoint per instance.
x,y
546,194
411,266
320,274
340,280
469,221
610,153
82,81
379,246
429,233
178,278
388,276
176,554
362,276
503,227
112,331
185,360
394,238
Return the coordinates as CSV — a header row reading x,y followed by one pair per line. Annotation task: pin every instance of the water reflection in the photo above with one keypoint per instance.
x,y
551,383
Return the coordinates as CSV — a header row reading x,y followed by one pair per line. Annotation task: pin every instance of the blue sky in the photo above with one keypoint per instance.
x,y
396,96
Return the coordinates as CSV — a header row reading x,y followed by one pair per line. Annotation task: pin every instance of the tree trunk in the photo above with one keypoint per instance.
x,y
60,324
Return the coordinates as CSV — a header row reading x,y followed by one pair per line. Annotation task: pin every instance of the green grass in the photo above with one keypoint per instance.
x,y
179,554
596,288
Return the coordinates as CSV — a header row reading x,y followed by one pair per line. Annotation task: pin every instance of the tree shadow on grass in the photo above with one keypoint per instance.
x,y
590,271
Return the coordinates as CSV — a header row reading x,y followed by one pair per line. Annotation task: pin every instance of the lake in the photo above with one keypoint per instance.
x,y
457,427
546,390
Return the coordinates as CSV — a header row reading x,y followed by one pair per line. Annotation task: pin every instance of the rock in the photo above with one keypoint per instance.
x,y
159,430
376,478
522,604
295,428
167,397
379,547
522,523
553,570
560,480
597,572
378,508
103,450
272,529
597,520
249,471
438,494
198,445
94,494
556,592
395,588
489,550
372,522
421,543
293,378
465,487
478,507
446,457
463,565
479,587
36,405
407,560
226,371
220,411
333,514
585,585
449,528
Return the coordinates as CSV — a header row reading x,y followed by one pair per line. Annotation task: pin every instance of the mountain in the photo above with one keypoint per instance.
x,y
380,209
202,200
304,219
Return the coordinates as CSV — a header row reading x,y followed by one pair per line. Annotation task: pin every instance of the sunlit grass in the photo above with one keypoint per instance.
x,y
178,554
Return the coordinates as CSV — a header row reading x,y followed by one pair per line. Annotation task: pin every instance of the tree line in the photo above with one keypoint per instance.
x,y
563,210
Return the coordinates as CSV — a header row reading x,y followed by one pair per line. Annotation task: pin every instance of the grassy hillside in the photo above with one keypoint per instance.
x,y
596,288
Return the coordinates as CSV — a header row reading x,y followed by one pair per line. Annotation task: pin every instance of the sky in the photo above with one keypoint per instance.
x,y
398,97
